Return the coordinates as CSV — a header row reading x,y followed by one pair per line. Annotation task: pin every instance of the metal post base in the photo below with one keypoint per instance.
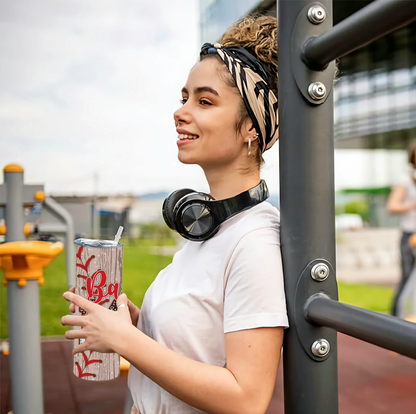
x,y
25,351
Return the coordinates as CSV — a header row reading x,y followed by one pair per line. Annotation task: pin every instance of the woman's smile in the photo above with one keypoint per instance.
x,y
185,137
184,141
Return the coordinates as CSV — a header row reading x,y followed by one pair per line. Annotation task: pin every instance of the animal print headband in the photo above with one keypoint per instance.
x,y
253,83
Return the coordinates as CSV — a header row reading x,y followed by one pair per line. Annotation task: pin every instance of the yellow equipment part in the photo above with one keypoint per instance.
x,y
25,260
4,347
13,168
40,196
27,229
124,367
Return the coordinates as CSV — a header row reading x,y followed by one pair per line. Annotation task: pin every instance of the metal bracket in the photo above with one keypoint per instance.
x,y
304,29
307,287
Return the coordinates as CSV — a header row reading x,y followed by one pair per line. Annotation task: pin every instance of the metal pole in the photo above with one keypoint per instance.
x,y
307,214
56,209
23,314
368,24
15,211
378,329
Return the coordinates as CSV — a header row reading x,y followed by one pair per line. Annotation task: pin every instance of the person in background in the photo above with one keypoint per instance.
x,y
402,201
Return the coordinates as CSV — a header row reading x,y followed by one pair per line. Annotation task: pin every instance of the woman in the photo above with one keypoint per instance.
x,y
402,201
211,325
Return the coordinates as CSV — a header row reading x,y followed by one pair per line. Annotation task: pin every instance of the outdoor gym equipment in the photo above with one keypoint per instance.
x,y
308,45
65,228
22,263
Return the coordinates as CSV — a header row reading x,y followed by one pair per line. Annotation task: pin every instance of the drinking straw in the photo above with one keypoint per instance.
x,y
118,235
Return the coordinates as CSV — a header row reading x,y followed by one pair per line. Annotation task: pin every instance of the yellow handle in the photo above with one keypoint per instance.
x,y
23,261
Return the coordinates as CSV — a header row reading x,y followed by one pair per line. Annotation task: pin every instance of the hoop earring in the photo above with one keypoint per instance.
x,y
249,146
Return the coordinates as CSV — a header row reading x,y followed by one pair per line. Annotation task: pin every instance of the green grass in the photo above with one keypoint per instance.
x,y
375,298
140,269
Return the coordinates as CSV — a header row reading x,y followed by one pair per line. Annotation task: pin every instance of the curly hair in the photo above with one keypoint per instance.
x,y
258,35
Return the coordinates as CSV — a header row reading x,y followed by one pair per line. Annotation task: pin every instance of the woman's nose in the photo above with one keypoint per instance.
x,y
182,115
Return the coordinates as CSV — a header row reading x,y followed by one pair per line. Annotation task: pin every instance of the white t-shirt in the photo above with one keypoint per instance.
x,y
231,282
408,219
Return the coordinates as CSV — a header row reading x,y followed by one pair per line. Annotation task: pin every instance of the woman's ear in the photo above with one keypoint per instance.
x,y
249,131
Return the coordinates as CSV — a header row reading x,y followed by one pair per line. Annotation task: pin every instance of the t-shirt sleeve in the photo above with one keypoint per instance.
x,y
403,181
254,294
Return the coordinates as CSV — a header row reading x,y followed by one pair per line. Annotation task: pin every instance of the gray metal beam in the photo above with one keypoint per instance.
x,y
368,24
22,309
307,212
52,228
56,209
15,210
376,328
25,349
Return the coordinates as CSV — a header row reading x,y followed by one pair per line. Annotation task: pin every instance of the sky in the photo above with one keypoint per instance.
x,y
87,94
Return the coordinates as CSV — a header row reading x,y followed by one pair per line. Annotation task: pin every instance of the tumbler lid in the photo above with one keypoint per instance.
x,y
96,243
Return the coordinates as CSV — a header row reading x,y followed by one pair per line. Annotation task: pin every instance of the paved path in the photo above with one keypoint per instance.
x,y
371,381
64,393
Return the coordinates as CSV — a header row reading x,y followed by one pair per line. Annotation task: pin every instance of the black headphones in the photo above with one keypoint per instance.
x,y
197,216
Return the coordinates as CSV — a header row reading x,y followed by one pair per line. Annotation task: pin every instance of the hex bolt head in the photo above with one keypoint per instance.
x,y
320,272
316,14
320,348
317,90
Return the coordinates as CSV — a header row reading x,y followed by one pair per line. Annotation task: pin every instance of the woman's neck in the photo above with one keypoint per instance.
x,y
228,182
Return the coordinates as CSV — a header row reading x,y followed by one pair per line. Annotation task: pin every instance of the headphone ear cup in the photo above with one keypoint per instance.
x,y
193,219
170,203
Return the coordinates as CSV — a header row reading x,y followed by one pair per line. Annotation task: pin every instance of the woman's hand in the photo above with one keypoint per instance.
x,y
72,306
134,310
101,327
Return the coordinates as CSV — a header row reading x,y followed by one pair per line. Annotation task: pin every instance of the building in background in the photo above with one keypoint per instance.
x,y
375,96
375,104
217,15
93,216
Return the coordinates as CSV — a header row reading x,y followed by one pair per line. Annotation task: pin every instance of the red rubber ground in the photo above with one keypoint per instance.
x,y
371,381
